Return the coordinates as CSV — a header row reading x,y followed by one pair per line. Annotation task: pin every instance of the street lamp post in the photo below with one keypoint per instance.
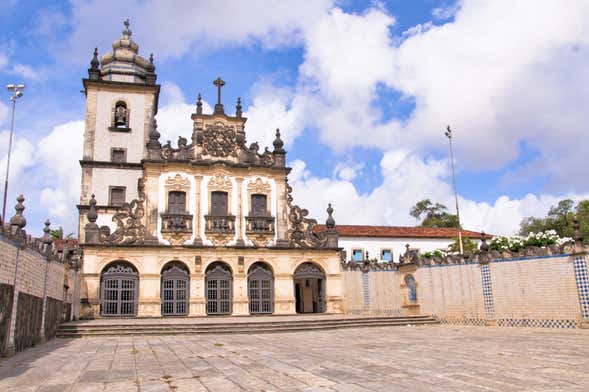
x,y
448,134
17,92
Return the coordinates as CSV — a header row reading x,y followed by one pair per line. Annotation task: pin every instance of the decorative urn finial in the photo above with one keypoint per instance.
x,y
484,246
278,143
92,215
238,111
127,32
95,63
150,66
199,104
18,220
330,222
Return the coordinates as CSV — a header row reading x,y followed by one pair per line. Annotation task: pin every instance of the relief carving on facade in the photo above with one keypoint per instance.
x,y
300,233
220,181
129,221
260,229
219,141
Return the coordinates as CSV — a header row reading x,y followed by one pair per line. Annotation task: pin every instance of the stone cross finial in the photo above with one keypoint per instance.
x,y
127,32
219,106
18,221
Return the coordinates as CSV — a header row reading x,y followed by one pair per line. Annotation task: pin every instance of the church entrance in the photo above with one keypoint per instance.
x,y
218,282
309,282
118,290
260,287
175,290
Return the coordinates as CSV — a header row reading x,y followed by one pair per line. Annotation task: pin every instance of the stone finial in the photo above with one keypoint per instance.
x,y
150,66
126,31
278,143
238,109
199,104
91,229
484,246
330,222
92,215
219,106
578,236
367,256
47,239
18,221
94,63
153,145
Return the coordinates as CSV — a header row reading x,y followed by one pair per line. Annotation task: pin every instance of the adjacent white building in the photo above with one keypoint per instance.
x,y
386,243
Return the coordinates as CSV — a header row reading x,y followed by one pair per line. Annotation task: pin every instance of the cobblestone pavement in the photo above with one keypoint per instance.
x,y
433,358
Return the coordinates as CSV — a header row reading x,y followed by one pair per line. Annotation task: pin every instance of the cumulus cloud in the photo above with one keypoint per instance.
x,y
189,25
409,178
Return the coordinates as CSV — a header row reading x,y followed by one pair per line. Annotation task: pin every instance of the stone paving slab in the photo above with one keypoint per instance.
x,y
432,358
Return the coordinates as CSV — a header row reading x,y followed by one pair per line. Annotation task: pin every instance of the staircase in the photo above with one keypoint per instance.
x,y
229,325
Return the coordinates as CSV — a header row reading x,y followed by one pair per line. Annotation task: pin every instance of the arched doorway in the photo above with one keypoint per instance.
x,y
309,282
175,289
260,289
218,282
119,286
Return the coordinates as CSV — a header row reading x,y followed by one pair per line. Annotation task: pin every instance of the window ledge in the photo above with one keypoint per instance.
x,y
116,129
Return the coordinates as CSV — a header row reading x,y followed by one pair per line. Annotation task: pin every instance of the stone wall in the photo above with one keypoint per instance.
x,y
40,274
536,291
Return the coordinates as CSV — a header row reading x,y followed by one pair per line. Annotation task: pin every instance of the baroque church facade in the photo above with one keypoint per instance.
x,y
207,227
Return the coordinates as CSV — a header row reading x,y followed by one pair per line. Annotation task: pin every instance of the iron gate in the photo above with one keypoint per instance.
x,y
119,291
260,290
218,290
175,289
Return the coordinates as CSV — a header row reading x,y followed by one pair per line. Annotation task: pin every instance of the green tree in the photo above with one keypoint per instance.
x,y
433,215
560,219
57,234
468,245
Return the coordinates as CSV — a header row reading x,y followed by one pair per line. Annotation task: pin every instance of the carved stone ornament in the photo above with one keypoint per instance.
x,y
219,141
177,183
301,233
129,220
220,181
220,239
120,269
261,240
258,186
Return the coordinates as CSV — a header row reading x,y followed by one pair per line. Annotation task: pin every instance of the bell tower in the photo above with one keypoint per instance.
x,y
121,102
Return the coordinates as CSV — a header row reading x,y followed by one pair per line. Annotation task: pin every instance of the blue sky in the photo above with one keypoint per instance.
x,y
362,91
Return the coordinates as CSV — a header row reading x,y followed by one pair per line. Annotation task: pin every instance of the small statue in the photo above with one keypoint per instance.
x,y
182,142
254,147
121,117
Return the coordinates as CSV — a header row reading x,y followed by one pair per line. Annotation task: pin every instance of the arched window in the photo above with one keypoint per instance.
x,y
218,289
121,115
411,288
119,286
175,289
309,282
260,288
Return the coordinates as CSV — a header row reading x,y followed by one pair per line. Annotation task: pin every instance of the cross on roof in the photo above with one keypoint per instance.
x,y
219,83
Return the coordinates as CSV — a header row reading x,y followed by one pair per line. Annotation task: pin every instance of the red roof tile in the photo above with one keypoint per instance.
x,y
399,231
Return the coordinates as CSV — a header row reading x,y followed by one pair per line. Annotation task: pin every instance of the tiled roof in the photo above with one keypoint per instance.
x,y
399,231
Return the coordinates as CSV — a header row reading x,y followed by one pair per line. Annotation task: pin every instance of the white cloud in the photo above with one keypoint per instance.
x,y
4,113
409,178
20,159
174,31
25,71
58,156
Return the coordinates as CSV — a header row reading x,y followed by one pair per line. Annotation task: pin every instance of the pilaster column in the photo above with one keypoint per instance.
x,y
488,293
239,218
281,213
151,206
197,213
582,280
240,300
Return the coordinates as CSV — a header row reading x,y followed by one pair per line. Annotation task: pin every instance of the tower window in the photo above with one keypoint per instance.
x,y
118,155
117,195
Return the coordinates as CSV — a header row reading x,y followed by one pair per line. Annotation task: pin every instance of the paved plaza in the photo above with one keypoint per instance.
x,y
431,358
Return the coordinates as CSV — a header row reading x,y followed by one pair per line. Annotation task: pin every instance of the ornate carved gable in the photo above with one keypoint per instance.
x,y
259,186
177,183
219,140
220,181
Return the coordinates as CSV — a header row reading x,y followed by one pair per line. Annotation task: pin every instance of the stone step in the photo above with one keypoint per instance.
x,y
237,328
172,324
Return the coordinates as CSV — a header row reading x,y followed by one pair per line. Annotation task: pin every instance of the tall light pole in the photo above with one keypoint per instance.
x,y
448,134
17,91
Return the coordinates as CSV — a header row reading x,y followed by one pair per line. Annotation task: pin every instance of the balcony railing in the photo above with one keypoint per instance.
x,y
219,224
259,224
176,223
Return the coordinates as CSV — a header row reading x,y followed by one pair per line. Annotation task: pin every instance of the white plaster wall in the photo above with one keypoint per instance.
x,y
102,178
397,245
162,205
133,141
